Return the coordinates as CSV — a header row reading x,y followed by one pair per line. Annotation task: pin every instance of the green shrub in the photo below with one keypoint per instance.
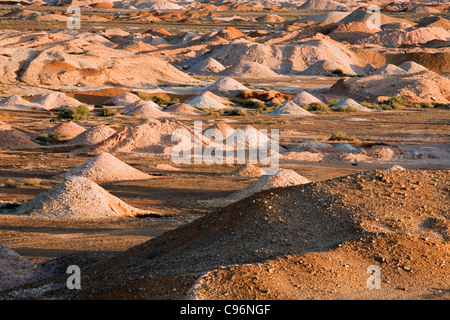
x,y
46,139
251,104
332,102
371,105
338,73
340,136
79,113
106,112
33,182
345,109
318,107
162,101
212,112
10,183
394,103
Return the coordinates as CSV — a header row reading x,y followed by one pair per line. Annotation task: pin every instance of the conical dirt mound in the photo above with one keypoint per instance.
x,y
149,136
92,135
352,104
106,168
77,198
304,98
17,103
67,130
289,108
146,110
208,100
283,178
226,85
55,100
249,70
14,269
184,109
309,241
11,138
209,65
248,170
123,99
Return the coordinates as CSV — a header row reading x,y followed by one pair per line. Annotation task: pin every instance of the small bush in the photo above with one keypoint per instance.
x,y
371,105
251,104
338,73
340,136
332,102
46,139
107,112
162,101
10,183
346,109
394,103
319,107
235,112
212,112
33,182
79,113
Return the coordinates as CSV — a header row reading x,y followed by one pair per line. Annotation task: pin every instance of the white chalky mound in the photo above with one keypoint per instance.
x,y
14,269
56,100
226,85
289,108
283,178
77,198
412,67
106,168
184,109
67,130
208,100
209,65
123,99
146,109
249,70
350,103
248,170
304,98
11,138
92,135
17,103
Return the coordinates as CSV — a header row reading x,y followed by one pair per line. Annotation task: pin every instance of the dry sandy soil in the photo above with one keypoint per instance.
x,y
185,240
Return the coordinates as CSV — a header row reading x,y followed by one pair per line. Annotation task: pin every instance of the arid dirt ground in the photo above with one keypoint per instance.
x,y
306,241
175,192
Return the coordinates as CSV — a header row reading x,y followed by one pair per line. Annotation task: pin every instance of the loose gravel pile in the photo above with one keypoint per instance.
x,y
14,269
92,135
248,170
311,241
283,178
149,136
209,65
226,85
106,168
290,109
304,98
123,99
17,103
208,100
351,104
11,138
184,109
146,109
67,130
77,198
55,100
